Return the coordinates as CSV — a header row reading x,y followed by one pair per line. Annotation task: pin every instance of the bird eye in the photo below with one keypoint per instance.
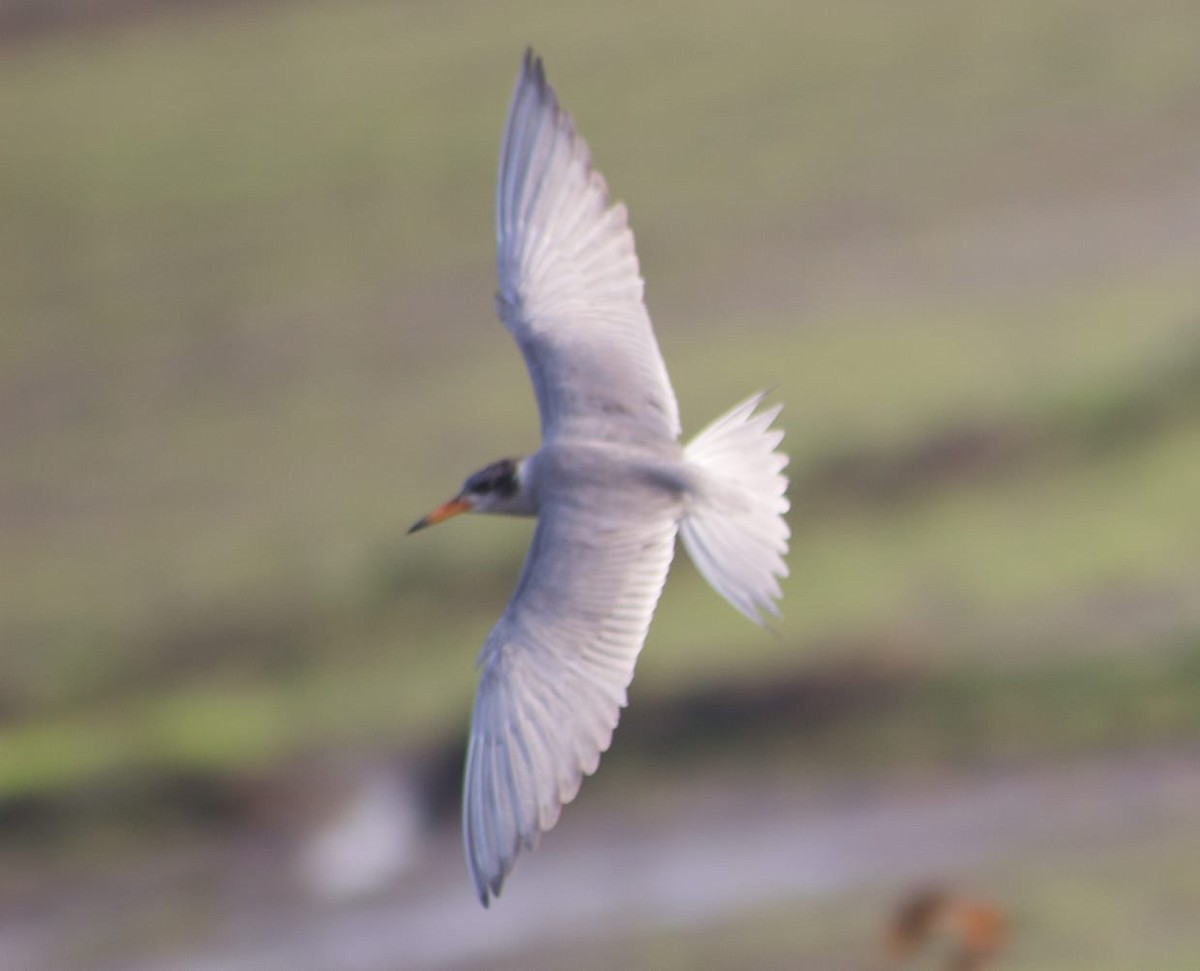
x,y
495,477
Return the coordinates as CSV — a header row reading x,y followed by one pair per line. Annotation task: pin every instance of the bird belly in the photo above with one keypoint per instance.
x,y
602,472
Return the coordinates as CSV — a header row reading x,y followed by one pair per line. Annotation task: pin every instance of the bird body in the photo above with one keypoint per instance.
x,y
588,471
611,486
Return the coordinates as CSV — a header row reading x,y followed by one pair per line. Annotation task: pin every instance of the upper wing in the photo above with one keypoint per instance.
x,y
570,289
555,670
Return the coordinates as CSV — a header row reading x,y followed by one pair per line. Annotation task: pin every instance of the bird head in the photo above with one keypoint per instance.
x,y
495,488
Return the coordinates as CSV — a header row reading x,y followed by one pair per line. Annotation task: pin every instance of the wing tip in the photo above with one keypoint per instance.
x,y
533,76
532,67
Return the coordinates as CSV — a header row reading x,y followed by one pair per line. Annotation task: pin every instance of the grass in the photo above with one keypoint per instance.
x,y
970,558
246,338
245,259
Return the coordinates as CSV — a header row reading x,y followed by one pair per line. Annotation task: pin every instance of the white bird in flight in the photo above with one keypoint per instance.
x,y
610,486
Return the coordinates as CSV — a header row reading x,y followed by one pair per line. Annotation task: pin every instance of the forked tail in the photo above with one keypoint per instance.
x,y
734,528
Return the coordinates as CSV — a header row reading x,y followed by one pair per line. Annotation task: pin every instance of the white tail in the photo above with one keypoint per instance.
x,y
734,528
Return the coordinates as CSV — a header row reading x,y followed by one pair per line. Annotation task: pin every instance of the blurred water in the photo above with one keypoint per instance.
x,y
620,876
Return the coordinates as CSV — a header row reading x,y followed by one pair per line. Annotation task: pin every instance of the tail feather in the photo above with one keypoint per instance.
x,y
734,528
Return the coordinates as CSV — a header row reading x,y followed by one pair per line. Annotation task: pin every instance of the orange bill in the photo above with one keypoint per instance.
x,y
444,511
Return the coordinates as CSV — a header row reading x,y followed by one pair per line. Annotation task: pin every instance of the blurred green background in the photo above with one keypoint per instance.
x,y
246,338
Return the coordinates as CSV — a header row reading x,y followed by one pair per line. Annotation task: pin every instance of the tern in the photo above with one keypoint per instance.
x,y
610,485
